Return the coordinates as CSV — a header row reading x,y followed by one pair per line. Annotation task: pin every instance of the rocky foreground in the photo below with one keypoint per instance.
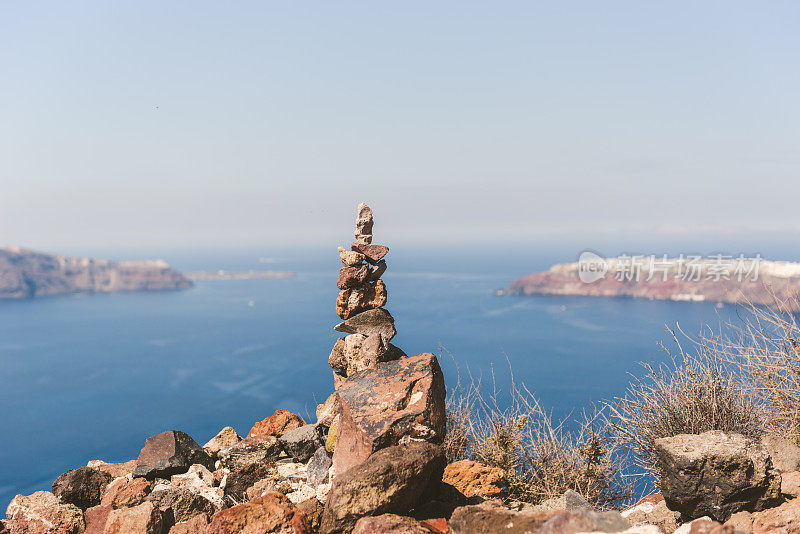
x,y
373,462
28,274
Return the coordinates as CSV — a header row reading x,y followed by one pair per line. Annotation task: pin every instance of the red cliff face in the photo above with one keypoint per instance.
x,y
27,274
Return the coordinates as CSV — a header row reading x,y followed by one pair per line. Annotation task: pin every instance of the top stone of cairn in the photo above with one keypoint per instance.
x,y
363,233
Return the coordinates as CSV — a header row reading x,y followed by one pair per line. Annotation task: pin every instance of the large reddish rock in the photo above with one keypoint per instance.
x,y
393,480
272,512
196,525
169,453
475,479
126,492
389,524
42,512
83,487
276,424
358,299
96,518
372,253
402,399
350,277
782,519
145,518
376,321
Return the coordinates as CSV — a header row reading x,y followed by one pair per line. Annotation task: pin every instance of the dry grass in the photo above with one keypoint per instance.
x,y
700,391
541,459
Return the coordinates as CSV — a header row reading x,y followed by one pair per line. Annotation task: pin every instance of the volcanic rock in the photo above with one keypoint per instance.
x,y
318,467
584,521
181,504
350,277
115,470
654,513
376,321
300,443
125,492
715,474
376,271
312,509
83,487
42,512
196,525
350,258
790,484
357,352
474,479
393,480
403,399
276,424
169,453
145,518
272,512
784,452
255,450
241,479
491,517
570,500
364,222
327,410
96,518
227,437
389,524
372,253
333,431
361,298
782,519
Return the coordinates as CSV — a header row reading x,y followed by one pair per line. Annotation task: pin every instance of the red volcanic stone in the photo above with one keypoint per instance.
x,y
276,424
124,492
356,300
272,512
373,253
96,518
350,277
393,400
169,453
653,498
145,518
389,524
196,525
115,470
437,525
43,512
475,479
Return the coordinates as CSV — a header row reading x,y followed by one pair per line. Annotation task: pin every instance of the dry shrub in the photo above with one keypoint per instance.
x,y
765,349
541,460
700,391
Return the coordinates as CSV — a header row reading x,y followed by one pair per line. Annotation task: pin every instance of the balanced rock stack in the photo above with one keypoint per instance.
x,y
360,303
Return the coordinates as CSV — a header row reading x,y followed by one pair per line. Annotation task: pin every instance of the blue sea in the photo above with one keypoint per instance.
x,y
91,376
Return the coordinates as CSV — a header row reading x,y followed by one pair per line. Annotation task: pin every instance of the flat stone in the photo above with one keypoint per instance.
x,y
393,480
716,474
116,470
125,492
169,453
327,410
394,401
300,443
474,479
364,297
372,253
584,521
276,424
145,518
389,524
377,321
227,437
350,277
318,467
42,512
272,512
350,258
491,517
251,450
83,487
376,271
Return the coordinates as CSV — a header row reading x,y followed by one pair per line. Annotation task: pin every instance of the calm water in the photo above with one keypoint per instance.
x,y
87,377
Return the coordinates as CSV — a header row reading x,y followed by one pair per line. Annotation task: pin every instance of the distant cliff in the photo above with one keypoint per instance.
x,y
27,274
668,279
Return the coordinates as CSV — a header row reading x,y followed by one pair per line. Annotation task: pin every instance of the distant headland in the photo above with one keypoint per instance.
x,y
721,279
27,274
237,275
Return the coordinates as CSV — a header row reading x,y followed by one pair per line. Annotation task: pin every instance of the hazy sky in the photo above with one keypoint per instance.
x,y
205,123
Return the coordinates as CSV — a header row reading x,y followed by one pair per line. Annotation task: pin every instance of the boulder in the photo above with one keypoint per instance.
x,y
242,478
474,479
115,470
361,298
257,450
372,253
350,277
790,484
272,512
42,512
715,474
584,521
145,518
394,401
125,492
196,525
653,513
300,443
784,452
389,524
181,504
358,352
83,487
169,453
393,480
276,424
784,519
491,517
227,437
96,518
318,467
350,258
375,321
327,410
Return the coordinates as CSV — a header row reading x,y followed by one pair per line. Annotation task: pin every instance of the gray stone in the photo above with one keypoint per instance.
x,y
169,453
716,474
300,443
181,504
255,450
570,500
83,487
318,467
375,321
